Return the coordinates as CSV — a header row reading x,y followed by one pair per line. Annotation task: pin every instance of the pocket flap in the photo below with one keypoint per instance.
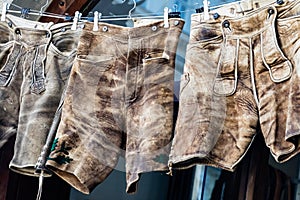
x,y
280,68
226,79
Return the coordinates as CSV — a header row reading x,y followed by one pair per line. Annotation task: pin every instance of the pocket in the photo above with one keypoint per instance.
x,y
92,63
280,68
94,73
206,33
188,89
65,44
5,34
158,58
287,39
188,100
156,74
226,80
8,58
155,71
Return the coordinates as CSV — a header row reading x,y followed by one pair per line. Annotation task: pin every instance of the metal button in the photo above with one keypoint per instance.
x,y
154,28
48,34
17,31
271,11
216,15
226,24
176,22
9,24
104,28
280,2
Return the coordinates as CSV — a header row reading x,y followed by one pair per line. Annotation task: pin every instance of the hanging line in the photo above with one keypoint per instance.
x,y
24,11
109,18
115,17
27,11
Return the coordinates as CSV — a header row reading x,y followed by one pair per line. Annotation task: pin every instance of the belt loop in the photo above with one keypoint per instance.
x,y
38,71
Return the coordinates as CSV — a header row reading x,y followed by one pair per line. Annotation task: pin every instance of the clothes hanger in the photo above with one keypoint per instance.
x,y
44,6
206,8
166,15
132,9
27,11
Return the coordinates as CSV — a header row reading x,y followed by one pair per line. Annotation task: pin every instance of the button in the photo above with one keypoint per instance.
x,y
9,24
104,28
226,24
216,15
63,29
176,23
154,28
280,2
48,34
271,11
17,31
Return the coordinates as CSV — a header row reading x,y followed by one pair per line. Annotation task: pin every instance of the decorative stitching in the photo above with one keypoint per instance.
x,y
61,159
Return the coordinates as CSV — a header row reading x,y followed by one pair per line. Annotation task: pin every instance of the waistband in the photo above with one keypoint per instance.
x,y
19,22
238,9
125,33
35,33
250,25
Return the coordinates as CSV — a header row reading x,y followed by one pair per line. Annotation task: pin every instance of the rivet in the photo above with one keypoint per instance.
x,y
226,24
17,31
271,11
104,28
154,28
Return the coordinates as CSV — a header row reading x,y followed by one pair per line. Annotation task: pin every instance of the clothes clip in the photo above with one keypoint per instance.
x,y
5,6
25,12
199,10
174,14
206,9
97,16
166,17
75,20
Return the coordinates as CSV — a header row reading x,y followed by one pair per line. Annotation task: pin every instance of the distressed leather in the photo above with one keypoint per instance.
x,y
8,92
240,73
45,57
118,102
13,50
